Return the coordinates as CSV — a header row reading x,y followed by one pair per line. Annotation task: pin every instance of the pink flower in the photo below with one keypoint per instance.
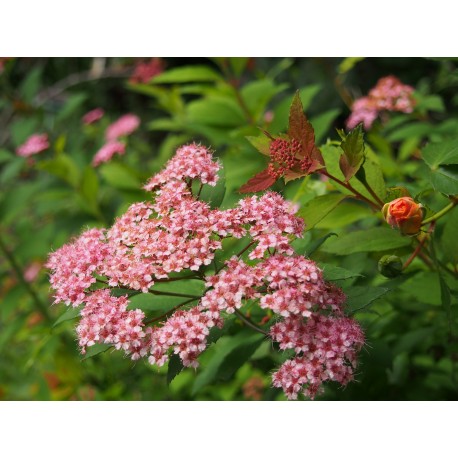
x,y
31,271
93,116
389,94
125,125
107,151
145,71
178,232
33,145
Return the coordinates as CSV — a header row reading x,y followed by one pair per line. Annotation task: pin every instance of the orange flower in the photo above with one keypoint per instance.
x,y
405,214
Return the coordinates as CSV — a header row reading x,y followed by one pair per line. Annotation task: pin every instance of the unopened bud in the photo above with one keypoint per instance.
x,y
390,266
405,214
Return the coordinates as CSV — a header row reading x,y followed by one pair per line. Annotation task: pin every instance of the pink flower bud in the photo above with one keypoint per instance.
x,y
405,214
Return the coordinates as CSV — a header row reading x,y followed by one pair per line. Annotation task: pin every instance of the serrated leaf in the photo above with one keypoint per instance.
x,y
334,273
261,143
444,153
188,74
373,239
354,152
301,130
445,179
70,314
259,182
360,297
316,209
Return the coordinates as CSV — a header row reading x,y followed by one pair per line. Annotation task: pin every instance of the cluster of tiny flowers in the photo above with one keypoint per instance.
x,y
185,332
282,156
105,319
190,162
125,125
93,116
177,232
326,349
73,266
389,94
145,71
107,151
34,144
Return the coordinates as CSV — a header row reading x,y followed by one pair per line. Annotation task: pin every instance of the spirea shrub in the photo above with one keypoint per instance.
x,y
176,236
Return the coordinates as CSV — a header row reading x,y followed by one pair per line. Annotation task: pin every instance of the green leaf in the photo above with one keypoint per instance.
x,y
449,239
317,243
216,111
373,239
189,74
174,368
72,104
229,355
31,84
261,143
63,167
5,155
344,214
120,176
238,64
213,195
257,95
416,129
70,314
185,286
445,179
95,350
334,273
360,297
154,303
354,152
444,153
90,186
316,209
348,63
323,122
413,339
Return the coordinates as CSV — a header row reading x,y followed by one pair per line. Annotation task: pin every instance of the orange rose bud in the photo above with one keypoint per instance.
x,y
405,214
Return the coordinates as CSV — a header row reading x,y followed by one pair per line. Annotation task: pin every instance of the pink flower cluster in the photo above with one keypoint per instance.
x,y
177,232
105,319
107,151
145,71
389,94
326,349
93,116
124,126
34,144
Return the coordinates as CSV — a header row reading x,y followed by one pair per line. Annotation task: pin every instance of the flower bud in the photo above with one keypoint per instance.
x,y
390,266
405,214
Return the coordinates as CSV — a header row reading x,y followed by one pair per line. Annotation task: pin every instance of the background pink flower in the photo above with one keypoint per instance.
x,y
33,145
107,151
93,116
125,125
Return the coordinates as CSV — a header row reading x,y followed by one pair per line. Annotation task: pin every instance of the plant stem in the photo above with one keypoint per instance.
x,y
441,213
373,194
20,276
348,186
168,293
246,248
249,323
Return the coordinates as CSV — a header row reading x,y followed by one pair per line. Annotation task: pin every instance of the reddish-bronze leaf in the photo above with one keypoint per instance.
x,y
301,130
259,182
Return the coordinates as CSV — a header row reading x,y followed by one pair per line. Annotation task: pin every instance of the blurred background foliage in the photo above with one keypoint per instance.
x,y
411,350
